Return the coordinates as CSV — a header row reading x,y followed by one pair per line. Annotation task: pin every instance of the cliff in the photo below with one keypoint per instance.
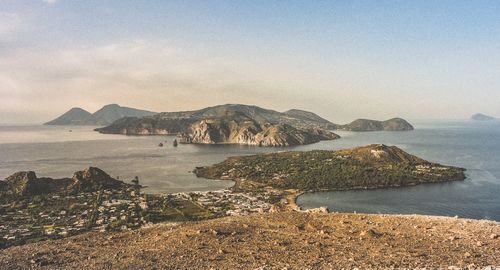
x,y
394,124
373,166
239,129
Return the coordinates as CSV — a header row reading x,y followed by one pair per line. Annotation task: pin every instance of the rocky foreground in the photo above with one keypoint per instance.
x,y
285,240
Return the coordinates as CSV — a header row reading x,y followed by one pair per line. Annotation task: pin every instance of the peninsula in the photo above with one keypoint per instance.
x,y
372,166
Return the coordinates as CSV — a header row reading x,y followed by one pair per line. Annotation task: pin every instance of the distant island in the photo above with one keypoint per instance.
x,y
372,166
394,124
105,116
224,124
245,124
231,124
482,117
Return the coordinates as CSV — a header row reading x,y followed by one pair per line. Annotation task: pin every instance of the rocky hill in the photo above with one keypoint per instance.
x,y
104,116
240,129
230,124
481,117
286,240
28,184
373,166
394,124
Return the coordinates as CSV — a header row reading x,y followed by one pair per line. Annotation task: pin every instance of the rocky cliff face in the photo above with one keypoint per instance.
x,y
394,124
26,183
243,130
21,182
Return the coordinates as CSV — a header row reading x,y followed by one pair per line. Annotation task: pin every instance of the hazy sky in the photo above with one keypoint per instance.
x,y
341,59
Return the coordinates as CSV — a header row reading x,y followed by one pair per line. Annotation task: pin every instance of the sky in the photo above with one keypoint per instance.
x,y
341,59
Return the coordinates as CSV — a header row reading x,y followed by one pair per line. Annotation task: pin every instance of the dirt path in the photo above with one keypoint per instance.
x,y
287,240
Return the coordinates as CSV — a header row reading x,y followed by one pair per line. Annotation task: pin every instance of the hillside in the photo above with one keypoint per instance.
x,y
239,129
104,116
287,240
373,166
394,124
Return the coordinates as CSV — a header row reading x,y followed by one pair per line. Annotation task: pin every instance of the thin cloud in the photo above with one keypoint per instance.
x,y
140,73
50,1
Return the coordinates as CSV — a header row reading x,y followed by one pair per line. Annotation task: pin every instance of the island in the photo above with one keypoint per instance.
x,y
231,124
394,124
482,117
103,117
368,167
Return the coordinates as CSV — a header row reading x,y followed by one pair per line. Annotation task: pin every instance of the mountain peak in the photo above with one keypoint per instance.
x,y
113,105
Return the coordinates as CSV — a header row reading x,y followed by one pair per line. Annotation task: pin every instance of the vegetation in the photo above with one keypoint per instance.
x,y
333,170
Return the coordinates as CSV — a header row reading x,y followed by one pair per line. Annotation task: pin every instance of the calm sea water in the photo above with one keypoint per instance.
x,y
55,152
472,145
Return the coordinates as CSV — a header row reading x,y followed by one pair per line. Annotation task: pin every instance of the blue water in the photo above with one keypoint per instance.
x,y
56,152
472,145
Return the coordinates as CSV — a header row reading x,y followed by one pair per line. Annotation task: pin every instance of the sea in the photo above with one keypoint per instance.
x,y
59,151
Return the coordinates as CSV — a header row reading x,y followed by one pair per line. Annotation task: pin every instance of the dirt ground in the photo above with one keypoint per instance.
x,y
286,240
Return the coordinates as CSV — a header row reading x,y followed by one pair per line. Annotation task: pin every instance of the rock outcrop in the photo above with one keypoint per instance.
x,y
26,183
394,124
92,179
